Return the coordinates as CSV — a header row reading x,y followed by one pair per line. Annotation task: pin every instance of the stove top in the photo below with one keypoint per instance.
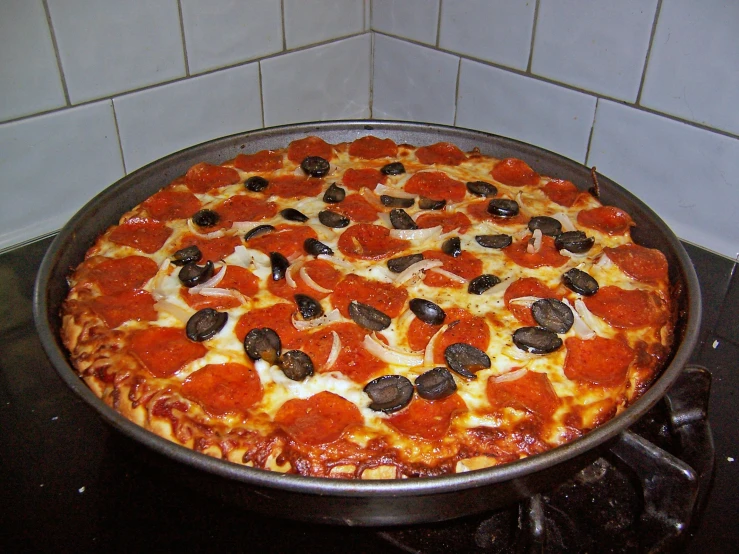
x,y
71,483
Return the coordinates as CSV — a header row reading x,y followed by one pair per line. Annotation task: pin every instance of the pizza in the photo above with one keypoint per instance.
x,y
369,310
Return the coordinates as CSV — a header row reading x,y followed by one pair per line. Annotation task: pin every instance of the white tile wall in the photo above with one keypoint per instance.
x,y
412,82
29,76
109,47
52,164
312,21
520,107
694,67
161,120
412,19
330,81
225,32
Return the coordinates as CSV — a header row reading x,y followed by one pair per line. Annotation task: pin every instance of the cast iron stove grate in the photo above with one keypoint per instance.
x,y
640,496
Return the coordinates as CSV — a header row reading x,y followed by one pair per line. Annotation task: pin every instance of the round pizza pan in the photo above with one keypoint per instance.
x,y
357,502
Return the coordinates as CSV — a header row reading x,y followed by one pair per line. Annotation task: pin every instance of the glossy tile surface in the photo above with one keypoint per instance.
x,y
312,21
416,20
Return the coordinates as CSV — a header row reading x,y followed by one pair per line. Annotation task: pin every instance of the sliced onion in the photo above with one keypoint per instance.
x,y
212,282
428,353
390,191
380,350
415,234
511,376
565,220
335,351
527,301
449,275
336,261
289,277
521,204
534,244
572,255
214,235
310,282
587,317
223,293
442,237
245,225
416,268
329,317
404,319
499,288
174,310
604,262
371,197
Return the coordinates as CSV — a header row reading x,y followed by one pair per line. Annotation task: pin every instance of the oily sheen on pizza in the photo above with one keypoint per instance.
x,y
369,310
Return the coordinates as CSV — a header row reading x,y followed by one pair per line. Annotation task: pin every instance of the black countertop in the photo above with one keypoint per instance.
x,y
71,483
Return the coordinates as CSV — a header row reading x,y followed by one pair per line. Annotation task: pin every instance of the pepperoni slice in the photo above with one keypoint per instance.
x,y
236,278
224,388
463,327
514,172
167,205
606,219
532,392
370,148
320,419
626,308
420,333
465,265
136,305
115,275
528,286
600,361
286,239
369,242
643,264
428,419
203,177
440,153
548,255
356,208
564,193
264,160
367,177
479,210
212,249
381,296
322,272
294,186
277,317
300,149
244,208
448,221
146,235
436,185
165,350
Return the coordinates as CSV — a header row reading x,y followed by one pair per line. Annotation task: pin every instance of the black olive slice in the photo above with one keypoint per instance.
x,y
258,230
536,340
481,188
205,324
435,384
334,194
427,311
296,365
279,265
192,274
206,218
494,241
547,225
394,168
315,166
256,183
503,207
401,263
190,254
452,247
394,202
552,314
465,359
308,307
368,317
291,214
430,204
580,282
401,220
389,393
315,247
576,242
263,344
332,219
480,284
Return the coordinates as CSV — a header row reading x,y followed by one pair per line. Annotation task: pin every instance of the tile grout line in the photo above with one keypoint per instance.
x,y
456,91
372,74
657,11
118,134
182,34
58,56
533,37
438,26
592,132
261,92
282,21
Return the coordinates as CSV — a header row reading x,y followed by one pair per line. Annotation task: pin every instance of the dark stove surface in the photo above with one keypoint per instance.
x,y
69,483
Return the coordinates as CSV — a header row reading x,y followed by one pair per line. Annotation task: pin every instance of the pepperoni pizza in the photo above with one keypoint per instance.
x,y
369,310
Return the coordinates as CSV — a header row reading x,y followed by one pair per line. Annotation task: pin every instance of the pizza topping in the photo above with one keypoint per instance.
x,y
264,160
580,282
334,194
643,264
514,172
382,351
400,219
626,308
547,225
146,235
368,317
308,307
192,274
364,178
494,241
395,202
258,230
428,419
456,271
370,148
285,239
296,365
206,218
389,393
523,390
481,188
503,207
553,315
190,254
315,247
452,247
562,192
356,208
333,219
426,203
202,177
600,361
576,242
427,311
291,214
168,205
440,153
164,350
436,185
114,275
320,419
205,324
393,168
401,263
606,219
129,305
224,388
370,242
263,344
330,317
527,286
435,384
466,359
256,183
279,265
300,149
482,283
536,340
315,166
547,255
